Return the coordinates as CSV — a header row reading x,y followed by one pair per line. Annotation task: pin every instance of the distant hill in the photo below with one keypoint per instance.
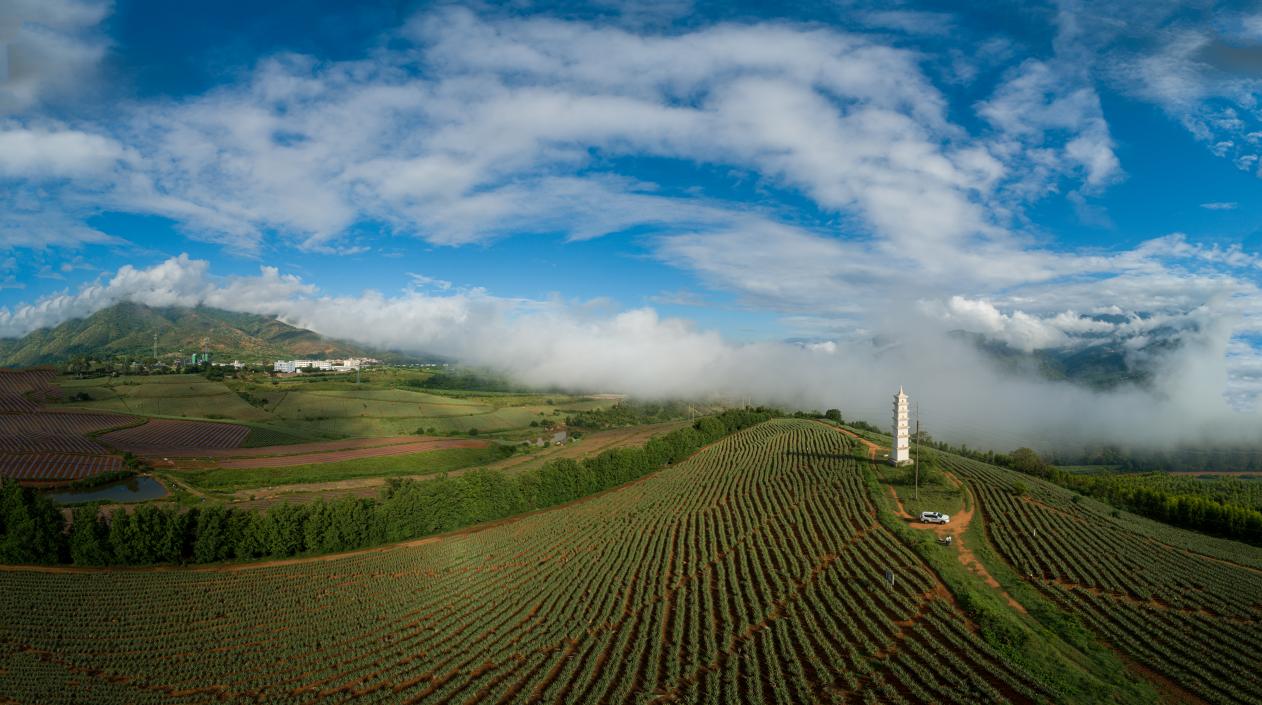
x,y
1103,364
127,329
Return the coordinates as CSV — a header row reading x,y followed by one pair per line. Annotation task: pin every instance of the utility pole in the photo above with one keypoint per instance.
x,y
916,457
155,346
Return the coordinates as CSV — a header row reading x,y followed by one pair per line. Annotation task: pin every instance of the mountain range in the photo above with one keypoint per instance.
x,y
127,330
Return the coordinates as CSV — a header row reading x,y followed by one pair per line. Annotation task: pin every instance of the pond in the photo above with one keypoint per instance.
x,y
133,489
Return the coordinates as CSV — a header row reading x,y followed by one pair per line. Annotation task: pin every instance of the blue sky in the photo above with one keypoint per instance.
x,y
832,175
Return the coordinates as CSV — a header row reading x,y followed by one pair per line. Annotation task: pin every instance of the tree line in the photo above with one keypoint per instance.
x,y
33,530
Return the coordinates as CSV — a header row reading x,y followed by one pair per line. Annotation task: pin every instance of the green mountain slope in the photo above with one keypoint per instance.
x,y
127,329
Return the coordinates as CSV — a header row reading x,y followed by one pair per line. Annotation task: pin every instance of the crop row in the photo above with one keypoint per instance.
x,y
754,571
46,467
160,434
22,390
1147,597
55,432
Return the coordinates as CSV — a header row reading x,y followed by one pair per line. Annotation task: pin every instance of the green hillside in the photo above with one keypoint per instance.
x,y
127,329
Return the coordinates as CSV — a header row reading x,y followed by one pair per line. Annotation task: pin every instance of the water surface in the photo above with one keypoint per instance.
x,y
133,489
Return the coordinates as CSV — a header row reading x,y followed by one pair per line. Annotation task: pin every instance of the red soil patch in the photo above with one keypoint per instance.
x,y
354,453
295,449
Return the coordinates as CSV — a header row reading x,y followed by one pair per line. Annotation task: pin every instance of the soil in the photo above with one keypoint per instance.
x,y
1170,692
354,453
305,454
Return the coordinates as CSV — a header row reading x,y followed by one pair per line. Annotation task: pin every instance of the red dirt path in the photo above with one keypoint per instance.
x,y
958,526
354,453
295,449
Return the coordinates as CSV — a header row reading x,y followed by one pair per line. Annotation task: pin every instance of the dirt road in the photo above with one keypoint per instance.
x,y
957,528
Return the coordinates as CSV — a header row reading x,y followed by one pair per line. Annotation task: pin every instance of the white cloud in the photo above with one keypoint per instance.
x,y
423,281
1053,115
487,128
1189,70
48,49
551,343
1220,206
909,21
43,153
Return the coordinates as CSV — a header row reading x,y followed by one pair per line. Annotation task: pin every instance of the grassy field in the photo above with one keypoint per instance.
x,y
190,396
297,409
937,492
225,480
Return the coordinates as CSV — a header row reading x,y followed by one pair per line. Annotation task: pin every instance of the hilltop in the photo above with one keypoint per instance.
x,y
127,329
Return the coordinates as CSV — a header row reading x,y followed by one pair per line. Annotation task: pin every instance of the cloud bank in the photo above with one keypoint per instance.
x,y
556,344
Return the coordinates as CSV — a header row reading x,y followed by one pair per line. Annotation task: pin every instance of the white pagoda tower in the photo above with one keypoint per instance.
x,y
901,454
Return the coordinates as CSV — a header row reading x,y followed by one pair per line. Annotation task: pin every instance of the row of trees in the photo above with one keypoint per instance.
x,y
32,529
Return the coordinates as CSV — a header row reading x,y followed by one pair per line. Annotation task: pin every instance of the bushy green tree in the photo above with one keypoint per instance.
x,y
89,537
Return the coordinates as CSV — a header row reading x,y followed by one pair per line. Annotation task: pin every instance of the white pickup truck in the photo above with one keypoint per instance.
x,y
935,518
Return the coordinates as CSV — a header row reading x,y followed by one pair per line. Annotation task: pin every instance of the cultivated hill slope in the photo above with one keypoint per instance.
x,y
127,329
752,572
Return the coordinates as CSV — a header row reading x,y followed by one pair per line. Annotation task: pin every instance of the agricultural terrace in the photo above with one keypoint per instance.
x,y
314,408
24,390
54,447
415,460
366,478
1184,605
752,572
56,467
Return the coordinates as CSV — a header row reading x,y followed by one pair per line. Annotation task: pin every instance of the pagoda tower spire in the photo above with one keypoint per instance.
x,y
901,452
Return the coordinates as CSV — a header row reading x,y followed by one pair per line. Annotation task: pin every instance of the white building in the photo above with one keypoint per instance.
x,y
291,366
901,454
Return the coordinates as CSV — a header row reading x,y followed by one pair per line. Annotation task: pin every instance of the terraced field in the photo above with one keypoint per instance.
x,y
56,467
753,572
162,435
1192,616
165,395
54,446
397,411
24,390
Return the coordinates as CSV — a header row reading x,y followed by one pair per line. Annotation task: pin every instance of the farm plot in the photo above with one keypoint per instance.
x,y
185,437
56,432
336,456
1152,598
298,448
753,572
24,390
168,395
56,467
385,403
333,413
